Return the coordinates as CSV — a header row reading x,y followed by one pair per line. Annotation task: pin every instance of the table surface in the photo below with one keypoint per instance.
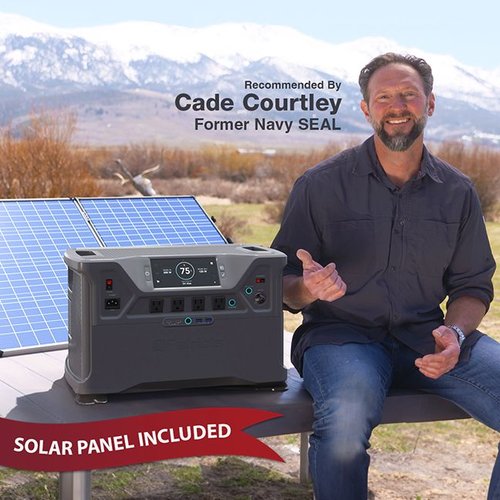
x,y
33,389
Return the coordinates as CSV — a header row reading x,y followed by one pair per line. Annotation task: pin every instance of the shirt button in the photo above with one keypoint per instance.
x,y
393,268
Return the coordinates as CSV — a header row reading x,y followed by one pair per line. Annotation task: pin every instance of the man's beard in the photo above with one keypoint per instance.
x,y
399,142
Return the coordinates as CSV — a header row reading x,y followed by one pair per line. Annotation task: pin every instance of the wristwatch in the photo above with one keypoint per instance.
x,y
459,332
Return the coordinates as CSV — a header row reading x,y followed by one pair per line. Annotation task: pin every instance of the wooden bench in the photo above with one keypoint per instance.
x,y
32,389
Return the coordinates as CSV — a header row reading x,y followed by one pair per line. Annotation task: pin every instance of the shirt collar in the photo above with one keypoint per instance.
x,y
429,167
367,162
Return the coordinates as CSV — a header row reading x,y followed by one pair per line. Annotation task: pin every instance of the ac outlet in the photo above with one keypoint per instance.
x,y
156,306
112,303
177,305
198,304
219,303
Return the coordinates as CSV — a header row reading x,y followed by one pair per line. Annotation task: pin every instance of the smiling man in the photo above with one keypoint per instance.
x,y
377,238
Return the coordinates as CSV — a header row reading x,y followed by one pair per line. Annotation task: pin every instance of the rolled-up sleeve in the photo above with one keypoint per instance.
x,y
472,267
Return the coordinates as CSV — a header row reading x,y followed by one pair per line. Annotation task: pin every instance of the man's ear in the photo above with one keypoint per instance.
x,y
431,104
364,108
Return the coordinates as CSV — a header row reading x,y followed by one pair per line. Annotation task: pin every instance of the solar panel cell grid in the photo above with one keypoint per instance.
x,y
33,298
150,221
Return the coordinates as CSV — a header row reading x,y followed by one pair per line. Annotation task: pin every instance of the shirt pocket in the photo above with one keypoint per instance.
x,y
353,246
431,245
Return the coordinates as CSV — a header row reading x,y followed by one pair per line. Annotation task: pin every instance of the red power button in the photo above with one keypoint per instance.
x,y
109,284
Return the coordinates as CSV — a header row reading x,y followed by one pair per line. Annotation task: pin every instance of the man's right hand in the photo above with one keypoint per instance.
x,y
323,283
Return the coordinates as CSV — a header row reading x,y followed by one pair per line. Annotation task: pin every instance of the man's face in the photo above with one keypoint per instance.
x,y
397,106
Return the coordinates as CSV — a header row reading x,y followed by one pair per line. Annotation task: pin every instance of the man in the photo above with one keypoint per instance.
x,y
377,238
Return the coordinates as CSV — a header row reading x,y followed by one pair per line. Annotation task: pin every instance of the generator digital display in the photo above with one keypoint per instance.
x,y
184,271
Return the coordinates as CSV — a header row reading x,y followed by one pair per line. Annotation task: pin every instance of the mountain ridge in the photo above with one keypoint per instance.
x,y
39,62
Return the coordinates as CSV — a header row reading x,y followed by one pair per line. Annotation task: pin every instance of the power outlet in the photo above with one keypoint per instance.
x,y
112,303
198,304
177,305
156,306
218,303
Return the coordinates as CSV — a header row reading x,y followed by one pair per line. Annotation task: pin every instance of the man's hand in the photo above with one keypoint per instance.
x,y
446,356
322,283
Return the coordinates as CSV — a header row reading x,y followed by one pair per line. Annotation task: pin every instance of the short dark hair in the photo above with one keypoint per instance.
x,y
419,64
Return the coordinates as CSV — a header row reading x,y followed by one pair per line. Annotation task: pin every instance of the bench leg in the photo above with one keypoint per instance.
x,y
304,458
74,485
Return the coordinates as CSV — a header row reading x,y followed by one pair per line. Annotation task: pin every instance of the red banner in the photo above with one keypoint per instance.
x,y
124,441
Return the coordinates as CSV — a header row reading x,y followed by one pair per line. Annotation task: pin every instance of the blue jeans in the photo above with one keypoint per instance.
x,y
348,384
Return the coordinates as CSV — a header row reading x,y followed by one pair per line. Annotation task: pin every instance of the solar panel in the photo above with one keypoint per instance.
x,y
34,234
33,277
172,220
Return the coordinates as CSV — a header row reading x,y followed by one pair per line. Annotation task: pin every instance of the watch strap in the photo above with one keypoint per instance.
x,y
459,332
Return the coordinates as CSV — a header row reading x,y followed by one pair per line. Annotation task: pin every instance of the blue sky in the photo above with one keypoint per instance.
x,y
466,30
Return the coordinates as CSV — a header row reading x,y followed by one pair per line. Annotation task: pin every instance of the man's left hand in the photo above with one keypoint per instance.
x,y
446,356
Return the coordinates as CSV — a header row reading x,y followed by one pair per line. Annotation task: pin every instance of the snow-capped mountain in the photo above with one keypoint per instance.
x,y
109,68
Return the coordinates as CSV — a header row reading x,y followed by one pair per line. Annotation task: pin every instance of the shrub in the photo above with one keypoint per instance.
x,y
228,163
231,225
479,163
41,163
